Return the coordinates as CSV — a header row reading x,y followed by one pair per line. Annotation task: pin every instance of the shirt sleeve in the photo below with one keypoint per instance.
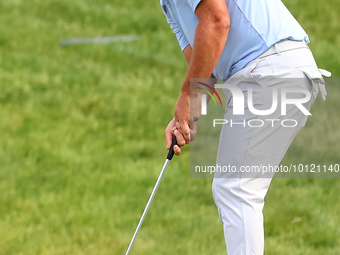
x,y
182,40
193,4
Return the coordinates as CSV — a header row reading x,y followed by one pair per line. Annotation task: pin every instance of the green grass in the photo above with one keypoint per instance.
x,y
82,137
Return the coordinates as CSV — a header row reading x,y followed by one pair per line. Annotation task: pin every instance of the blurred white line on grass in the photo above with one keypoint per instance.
x,y
295,220
107,39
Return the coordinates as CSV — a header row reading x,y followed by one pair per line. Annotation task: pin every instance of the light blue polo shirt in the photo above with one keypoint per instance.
x,y
255,25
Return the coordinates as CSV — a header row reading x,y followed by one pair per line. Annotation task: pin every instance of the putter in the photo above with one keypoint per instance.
x,y
166,163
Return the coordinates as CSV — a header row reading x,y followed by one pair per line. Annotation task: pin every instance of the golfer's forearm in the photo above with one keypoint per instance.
x,y
187,54
209,43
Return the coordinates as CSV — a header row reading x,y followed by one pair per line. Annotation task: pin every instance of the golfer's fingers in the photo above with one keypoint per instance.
x,y
169,134
180,138
185,130
193,130
178,126
177,150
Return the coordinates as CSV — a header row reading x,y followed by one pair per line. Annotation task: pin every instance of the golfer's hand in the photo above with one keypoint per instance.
x,y
184,117
174,129
171,131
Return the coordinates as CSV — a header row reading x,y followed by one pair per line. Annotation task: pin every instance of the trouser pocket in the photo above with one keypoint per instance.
x,y
318,83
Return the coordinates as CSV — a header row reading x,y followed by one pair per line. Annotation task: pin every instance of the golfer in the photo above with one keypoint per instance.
x,y
256,45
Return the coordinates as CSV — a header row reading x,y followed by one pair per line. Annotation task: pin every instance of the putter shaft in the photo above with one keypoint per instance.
x,y
166,163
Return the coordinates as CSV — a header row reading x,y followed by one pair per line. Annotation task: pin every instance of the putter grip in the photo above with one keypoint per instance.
x,y
171,150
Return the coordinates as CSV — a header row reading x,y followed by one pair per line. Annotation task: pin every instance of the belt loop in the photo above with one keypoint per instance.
x,y
277,48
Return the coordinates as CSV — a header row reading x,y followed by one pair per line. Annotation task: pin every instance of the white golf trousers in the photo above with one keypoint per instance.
x,y
240,198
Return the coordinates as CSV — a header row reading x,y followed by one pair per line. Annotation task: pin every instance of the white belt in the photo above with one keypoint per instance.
x,y
283,46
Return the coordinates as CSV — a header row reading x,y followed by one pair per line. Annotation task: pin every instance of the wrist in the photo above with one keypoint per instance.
x,y
185,89
188,90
